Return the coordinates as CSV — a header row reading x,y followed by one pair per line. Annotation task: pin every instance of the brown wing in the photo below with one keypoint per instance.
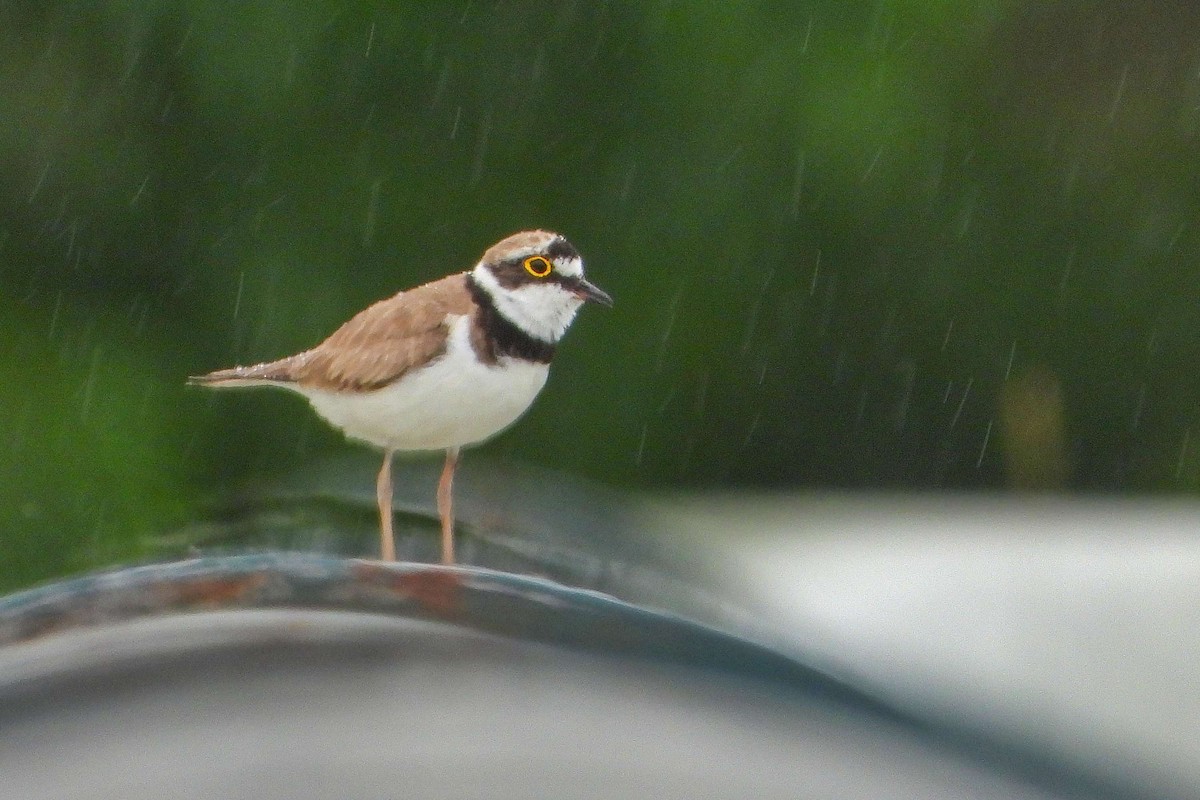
x,y
377,346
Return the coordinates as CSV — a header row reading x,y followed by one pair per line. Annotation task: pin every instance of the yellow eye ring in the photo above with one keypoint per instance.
x,y
538,266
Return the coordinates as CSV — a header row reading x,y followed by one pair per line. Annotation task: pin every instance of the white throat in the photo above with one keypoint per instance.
x,y
544,311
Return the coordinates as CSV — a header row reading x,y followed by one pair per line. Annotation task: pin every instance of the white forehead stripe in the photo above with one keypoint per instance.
x,y
567,267
570,267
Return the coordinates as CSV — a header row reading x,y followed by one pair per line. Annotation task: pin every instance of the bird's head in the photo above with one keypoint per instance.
x,y
535,280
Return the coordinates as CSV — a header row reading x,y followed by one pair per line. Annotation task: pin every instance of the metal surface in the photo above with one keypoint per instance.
x,y
285,675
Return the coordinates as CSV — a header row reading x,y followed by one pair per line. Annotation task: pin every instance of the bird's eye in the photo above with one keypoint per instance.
x,y
538,266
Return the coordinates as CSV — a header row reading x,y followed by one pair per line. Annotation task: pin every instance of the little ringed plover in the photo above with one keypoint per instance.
x,y
441,366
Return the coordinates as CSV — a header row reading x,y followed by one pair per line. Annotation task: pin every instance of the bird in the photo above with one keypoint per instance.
x,y
441,366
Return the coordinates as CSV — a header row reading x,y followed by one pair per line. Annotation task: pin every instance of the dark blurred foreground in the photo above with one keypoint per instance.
x,y
285,704
975,650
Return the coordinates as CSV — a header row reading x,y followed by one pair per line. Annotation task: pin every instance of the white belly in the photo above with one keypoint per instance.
x,y
453,402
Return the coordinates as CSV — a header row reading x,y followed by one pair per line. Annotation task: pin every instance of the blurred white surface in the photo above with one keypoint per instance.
x,y
287,704
1072,627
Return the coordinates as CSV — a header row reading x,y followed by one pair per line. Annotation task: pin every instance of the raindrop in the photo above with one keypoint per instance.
x,y
641,448
871,167
1062,283
753,428
187,35
143,317
1119,95
627,187
946,341
1012,353
1183,448
987,437
237,300
133,62
133,200
37,187
72,230
439,90
1138,408
672,312
962,402
293,64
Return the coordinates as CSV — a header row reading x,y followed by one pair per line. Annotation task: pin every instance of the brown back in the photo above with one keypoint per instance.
x,y
377,346
385,340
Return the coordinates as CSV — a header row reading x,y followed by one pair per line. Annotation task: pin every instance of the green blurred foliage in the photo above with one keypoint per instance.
x,y
835,232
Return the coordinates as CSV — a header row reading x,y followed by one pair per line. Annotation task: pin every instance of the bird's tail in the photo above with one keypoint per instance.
x,y
273,373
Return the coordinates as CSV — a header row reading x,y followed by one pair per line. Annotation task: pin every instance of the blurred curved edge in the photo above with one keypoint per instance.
x,y
483,600
508,604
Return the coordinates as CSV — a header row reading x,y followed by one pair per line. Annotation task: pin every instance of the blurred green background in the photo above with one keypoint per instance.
x,y
899,244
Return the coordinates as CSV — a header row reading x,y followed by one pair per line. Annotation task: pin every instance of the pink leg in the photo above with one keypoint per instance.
x,y
445,505
383,492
